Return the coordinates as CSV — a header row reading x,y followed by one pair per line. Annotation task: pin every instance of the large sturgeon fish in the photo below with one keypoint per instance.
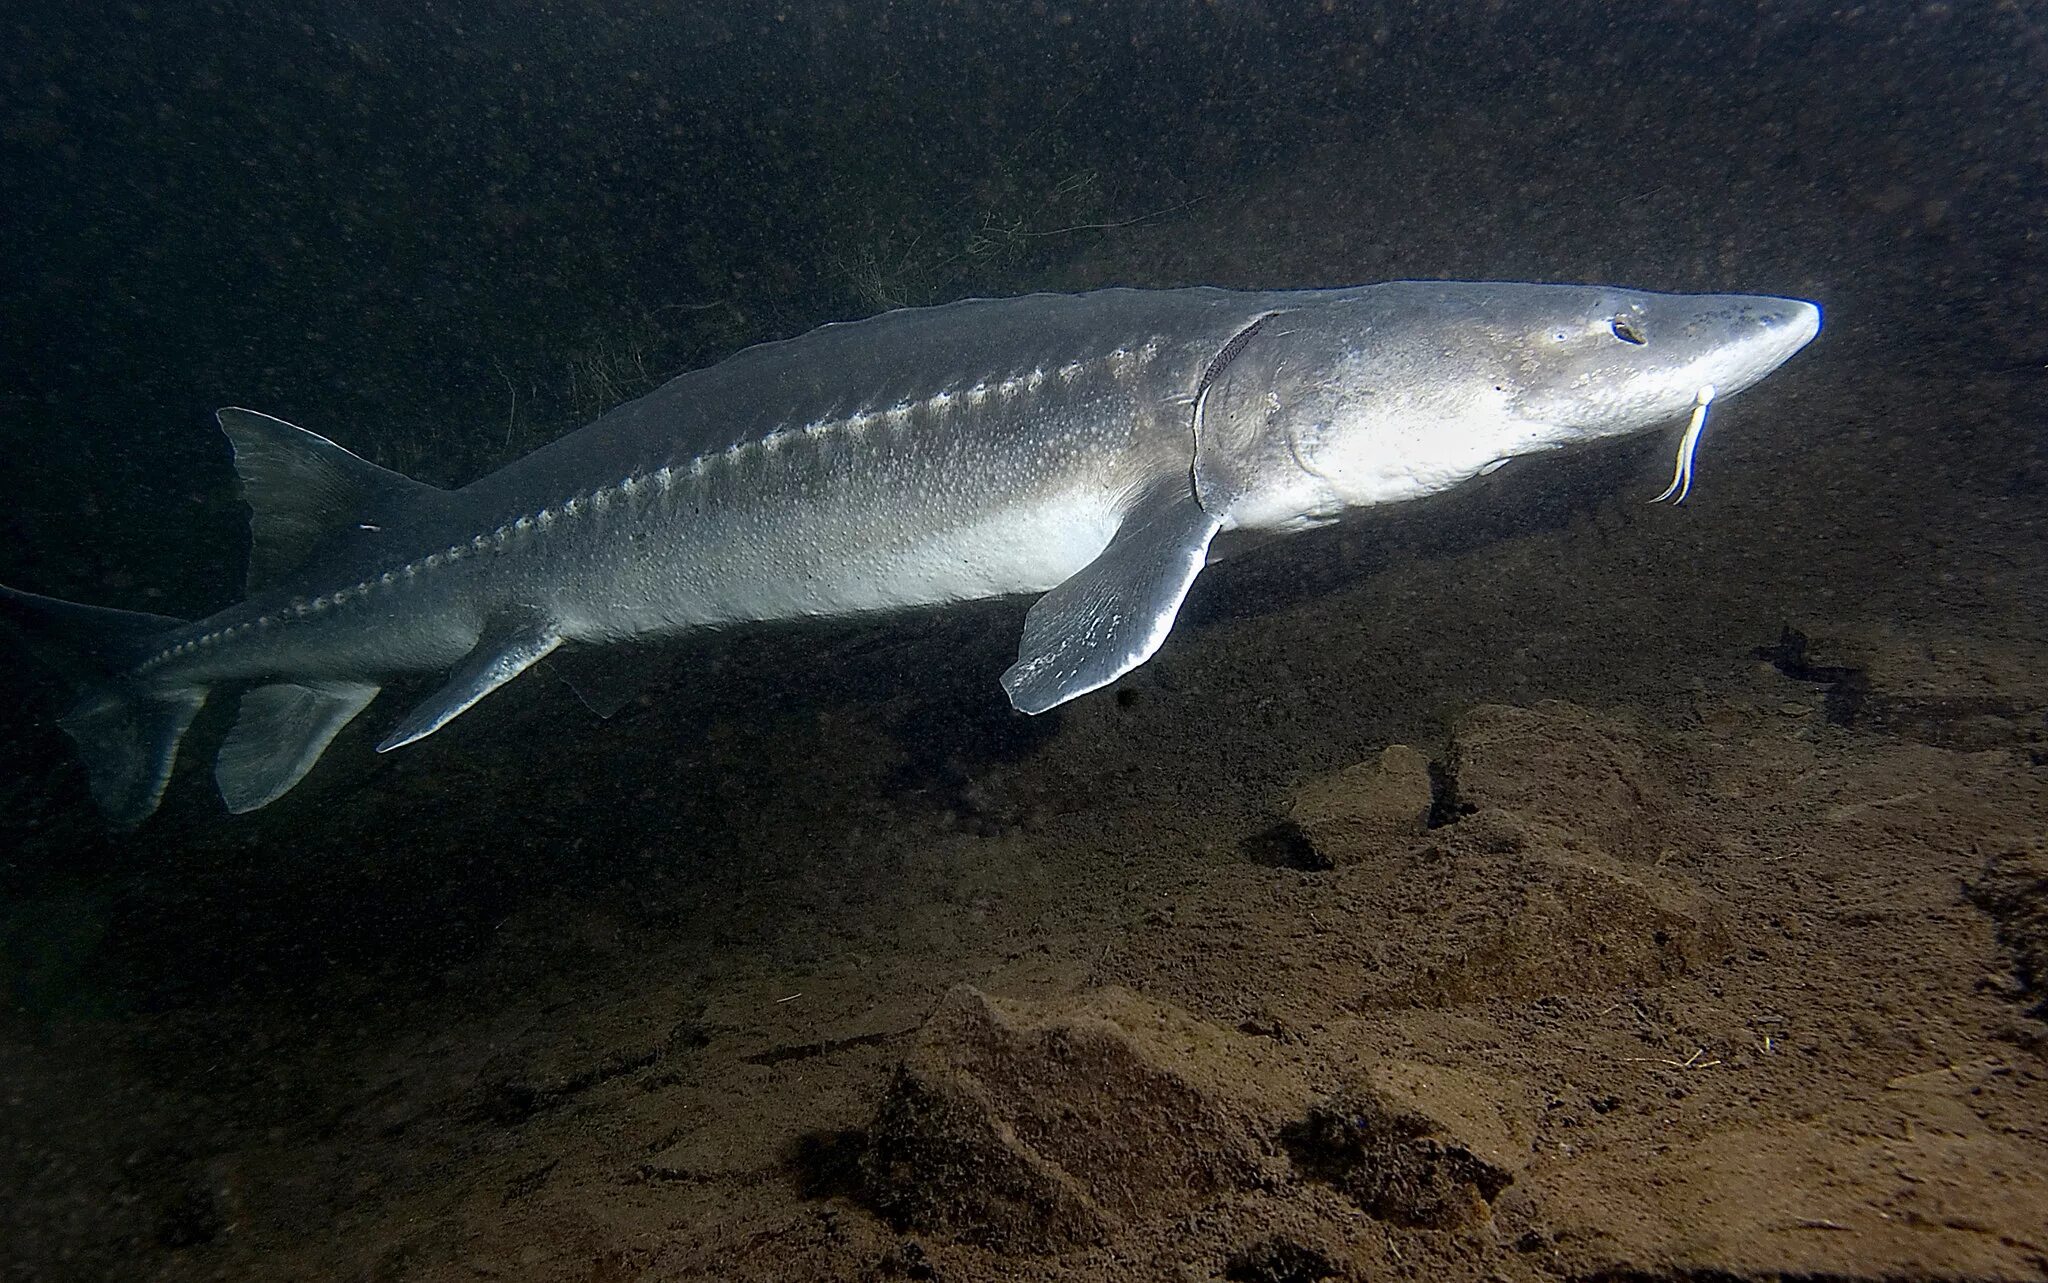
x,y
1088,447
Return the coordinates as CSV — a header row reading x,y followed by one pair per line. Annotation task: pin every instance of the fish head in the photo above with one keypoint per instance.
x,y
1594,363
1352,398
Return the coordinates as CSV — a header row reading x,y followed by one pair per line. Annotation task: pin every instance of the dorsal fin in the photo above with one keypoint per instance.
x,y
301,488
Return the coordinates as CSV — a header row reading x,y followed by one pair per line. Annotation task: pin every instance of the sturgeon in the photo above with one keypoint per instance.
x,y
1088,447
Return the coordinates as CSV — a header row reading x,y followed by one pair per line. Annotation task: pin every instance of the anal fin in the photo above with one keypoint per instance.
x,y
1110,617
507,647
280,731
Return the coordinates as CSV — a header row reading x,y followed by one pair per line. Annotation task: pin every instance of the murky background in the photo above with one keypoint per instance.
x,y
1716,946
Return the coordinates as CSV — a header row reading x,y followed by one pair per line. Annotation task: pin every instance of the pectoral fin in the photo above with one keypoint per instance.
x,y
1109,618
507,648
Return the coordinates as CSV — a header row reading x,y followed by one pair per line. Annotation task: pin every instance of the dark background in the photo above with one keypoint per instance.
x,y
444,233
388,218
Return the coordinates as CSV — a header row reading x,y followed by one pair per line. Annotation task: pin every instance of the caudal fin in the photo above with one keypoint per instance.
x,y
128,738
128,744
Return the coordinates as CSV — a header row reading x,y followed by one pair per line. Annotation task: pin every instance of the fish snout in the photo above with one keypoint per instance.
x,y
1748,338
1796,321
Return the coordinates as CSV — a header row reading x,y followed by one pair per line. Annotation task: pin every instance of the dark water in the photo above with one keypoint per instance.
x,y
444,234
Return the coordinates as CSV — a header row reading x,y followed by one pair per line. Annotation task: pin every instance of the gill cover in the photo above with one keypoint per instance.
x,y
1236,403
1261,410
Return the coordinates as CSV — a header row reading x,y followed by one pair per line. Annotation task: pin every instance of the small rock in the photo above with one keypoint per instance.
x,y
1363,810
2014,891
1414,1144
1580,924
1037,1129
1278,1260
1566,769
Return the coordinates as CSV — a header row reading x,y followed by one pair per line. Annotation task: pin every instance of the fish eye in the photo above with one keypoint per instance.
x,y
1625,330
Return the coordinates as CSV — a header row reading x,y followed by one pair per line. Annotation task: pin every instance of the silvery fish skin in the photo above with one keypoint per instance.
x,y
1088,447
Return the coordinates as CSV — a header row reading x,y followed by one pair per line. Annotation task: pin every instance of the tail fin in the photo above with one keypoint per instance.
x,y
127,738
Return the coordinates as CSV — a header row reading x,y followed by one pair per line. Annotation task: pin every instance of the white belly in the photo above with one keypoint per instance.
x,y
1024,549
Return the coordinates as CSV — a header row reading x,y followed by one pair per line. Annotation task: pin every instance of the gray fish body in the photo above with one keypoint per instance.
x,y
1088,447
943,454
